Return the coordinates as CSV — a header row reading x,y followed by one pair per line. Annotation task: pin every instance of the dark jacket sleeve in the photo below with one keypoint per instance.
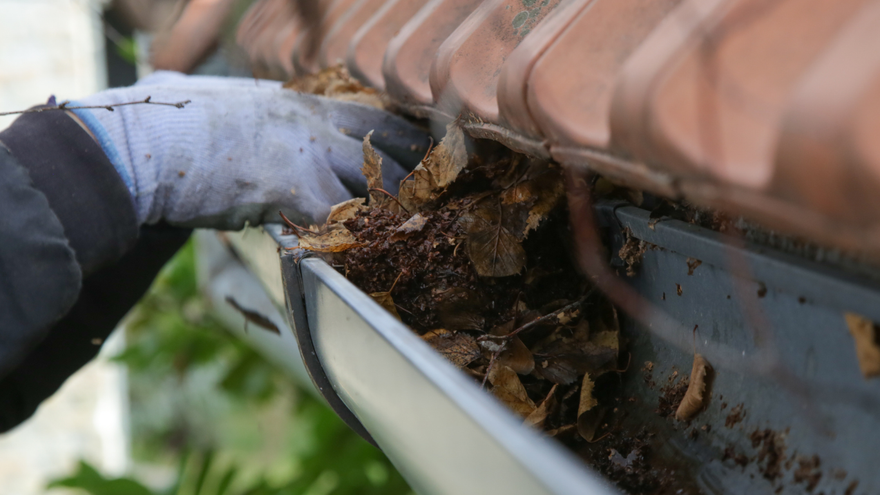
x,y
66,221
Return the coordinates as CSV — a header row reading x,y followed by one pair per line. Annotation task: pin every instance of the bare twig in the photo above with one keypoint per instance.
x,y
383,191
64,106
297,230
539,321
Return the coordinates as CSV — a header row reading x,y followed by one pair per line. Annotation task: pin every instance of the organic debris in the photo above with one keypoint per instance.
x,y
335,82
253,317
459,348
631,252
472,255
694,399
867,338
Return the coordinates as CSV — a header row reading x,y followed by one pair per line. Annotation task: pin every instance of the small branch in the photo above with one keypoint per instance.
x,y
539,321
297,230
383,191
64,106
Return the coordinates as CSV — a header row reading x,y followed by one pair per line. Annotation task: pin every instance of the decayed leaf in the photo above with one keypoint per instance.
x,y
459,348
695,397
434,174
372,170
336,238
415,224
515,355
867,338
509,390
458,308
542,193
386,301
590,347
589,415
335,82
492,248
345,210
539,415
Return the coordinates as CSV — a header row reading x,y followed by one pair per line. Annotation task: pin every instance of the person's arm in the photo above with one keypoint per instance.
x,y
63,212
74,199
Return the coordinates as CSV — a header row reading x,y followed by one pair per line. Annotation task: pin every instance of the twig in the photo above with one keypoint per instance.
x,y
296,228
64,106
489,368
543,319
383,191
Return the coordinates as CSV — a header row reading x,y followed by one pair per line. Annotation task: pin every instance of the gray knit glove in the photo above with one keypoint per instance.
x,y
242,149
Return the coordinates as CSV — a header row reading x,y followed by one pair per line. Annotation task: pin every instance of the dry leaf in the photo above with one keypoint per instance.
x,y
435,173
335,82
415,224
589,415
458,308
372,170
695,397
346,210
592,346
386,301
509,390
493,249
539,415
542,193
336,238
562,430
517,357
867,338
459,348
254,317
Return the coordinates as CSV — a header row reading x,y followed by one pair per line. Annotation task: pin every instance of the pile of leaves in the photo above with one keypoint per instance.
x,y
474,255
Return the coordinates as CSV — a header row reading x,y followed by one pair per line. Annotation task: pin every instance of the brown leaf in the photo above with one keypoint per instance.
x,y
587,348
562,431
867,338
386,301
372,171
415,224
695,398
494,250
449,158
517,356
539,415
509,390
435,173
541,192
459,308
459,348
589,415
336,238
346,210
335,82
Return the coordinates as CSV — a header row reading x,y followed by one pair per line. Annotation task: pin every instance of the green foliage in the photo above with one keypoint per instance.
x,y
203,400
127,49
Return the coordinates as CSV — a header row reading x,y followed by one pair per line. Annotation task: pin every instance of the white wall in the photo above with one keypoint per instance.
x,y
49,47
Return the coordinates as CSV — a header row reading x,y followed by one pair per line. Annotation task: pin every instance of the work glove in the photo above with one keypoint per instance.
x,y
242,149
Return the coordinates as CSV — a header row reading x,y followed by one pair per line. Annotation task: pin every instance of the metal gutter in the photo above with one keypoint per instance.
x,y
441,431
447,436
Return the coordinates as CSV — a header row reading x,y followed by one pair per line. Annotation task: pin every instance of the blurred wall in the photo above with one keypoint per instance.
x,y
46,47
57,47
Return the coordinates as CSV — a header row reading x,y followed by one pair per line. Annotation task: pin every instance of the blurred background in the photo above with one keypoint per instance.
x,y
174,403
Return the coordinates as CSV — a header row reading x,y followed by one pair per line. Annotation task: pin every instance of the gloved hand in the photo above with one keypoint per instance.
x,y
242,149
